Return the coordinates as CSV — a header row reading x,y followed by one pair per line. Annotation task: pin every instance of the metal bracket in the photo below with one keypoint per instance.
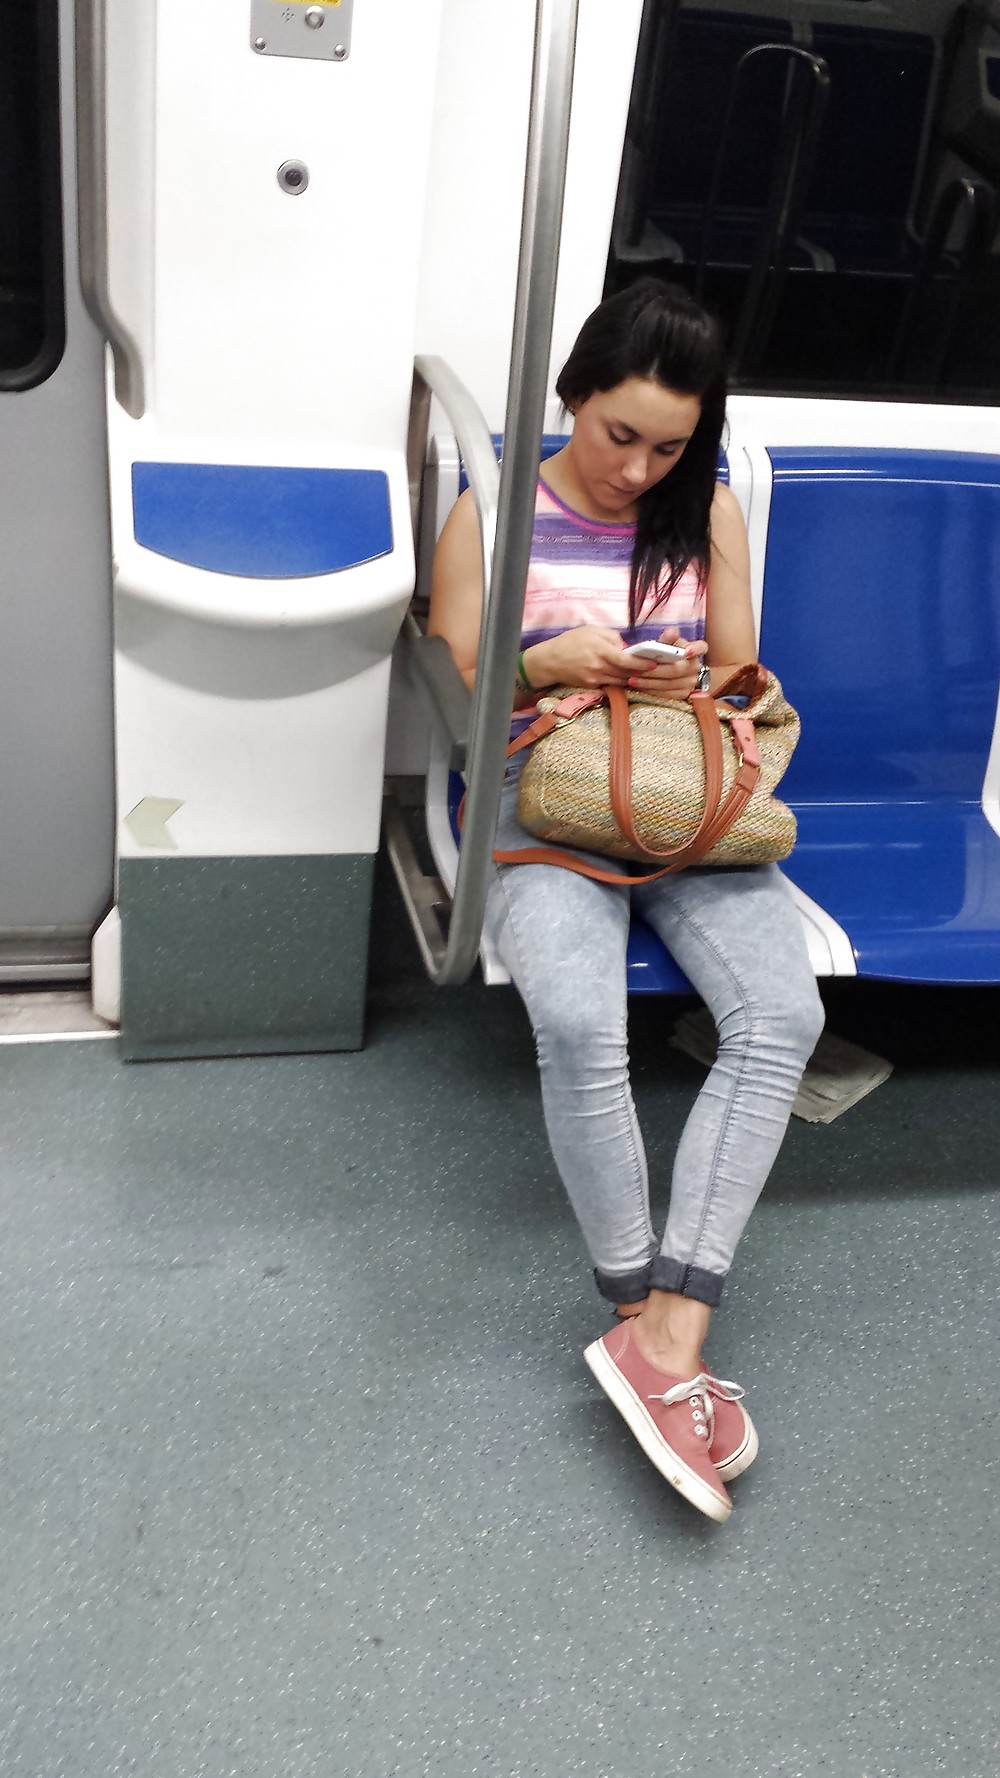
x,y
313,30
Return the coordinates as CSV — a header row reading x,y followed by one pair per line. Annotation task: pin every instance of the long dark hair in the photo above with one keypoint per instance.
x,y
655,330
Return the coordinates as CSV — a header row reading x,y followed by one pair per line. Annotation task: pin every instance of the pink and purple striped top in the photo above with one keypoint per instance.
x,y
579,574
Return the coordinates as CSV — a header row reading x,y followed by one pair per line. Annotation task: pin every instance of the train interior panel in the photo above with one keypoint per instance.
x,y
276,279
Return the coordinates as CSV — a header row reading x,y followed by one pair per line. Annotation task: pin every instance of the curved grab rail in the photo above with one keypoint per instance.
x,y
433,376
503,586
806,94
92,203
967,205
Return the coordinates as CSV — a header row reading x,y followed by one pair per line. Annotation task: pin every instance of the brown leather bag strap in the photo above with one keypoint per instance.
x,y
744,737
565,861
543,725
620,773
748,682
709,833
566,709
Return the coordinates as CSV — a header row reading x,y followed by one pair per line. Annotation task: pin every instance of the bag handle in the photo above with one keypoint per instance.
x,y
718,817
620,771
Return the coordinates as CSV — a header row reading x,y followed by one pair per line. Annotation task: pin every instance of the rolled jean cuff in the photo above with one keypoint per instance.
x,y
681,1280
623,1287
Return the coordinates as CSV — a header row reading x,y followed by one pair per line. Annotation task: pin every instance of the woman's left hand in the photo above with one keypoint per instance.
x,y
671,679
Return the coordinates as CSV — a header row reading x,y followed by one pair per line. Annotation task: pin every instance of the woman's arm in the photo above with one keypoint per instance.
x,y
729,626
587,655
457,586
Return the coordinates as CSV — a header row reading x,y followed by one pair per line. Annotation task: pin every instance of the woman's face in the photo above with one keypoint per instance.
x,y
627,439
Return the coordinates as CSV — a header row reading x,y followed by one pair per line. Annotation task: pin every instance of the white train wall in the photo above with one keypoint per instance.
x,y
268,234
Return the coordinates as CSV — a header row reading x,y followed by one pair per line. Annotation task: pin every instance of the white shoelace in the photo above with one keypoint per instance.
x,y
699,1392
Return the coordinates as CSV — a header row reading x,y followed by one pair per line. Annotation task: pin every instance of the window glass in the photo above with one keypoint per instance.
x,y
32,325
825,176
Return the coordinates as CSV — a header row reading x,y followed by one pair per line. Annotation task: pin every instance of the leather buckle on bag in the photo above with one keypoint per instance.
x,y
565,709
746,736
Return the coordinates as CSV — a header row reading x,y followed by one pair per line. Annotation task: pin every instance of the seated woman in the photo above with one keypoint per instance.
x,y
635,539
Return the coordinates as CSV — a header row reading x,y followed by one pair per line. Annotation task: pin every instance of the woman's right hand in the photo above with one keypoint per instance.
x,y
587,655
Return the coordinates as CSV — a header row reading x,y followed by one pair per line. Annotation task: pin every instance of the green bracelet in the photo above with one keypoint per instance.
x,y
522,674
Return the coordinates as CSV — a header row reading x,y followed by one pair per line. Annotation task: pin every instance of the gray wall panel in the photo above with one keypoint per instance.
x,y
56,727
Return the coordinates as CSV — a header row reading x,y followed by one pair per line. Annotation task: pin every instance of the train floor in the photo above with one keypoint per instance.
x,y
303,1474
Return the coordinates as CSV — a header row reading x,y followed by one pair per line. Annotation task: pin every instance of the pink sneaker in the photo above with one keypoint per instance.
x,y
735,1443
672,1418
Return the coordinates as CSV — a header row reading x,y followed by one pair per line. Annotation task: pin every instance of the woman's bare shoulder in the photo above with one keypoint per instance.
x,y
462,517
728,527
726,509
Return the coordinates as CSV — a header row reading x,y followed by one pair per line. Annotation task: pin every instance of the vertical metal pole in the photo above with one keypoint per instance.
x,y
538,264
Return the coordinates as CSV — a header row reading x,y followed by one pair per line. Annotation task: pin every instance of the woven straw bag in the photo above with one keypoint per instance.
x,y
665,782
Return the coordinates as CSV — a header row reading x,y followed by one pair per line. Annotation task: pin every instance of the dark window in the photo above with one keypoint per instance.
x,y
32,319
830,189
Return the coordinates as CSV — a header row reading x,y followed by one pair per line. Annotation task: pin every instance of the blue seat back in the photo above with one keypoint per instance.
x,y
880,605
882,619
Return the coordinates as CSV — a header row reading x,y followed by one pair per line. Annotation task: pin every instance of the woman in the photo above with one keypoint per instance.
x,y
634,539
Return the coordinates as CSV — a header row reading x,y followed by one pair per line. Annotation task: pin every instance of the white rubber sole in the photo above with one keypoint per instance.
x,y
743,1456
643,1427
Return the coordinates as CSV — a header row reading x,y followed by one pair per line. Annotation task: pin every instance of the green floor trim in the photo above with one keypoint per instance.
x,y
243,956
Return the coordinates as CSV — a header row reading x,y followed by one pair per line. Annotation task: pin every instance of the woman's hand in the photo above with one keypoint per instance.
x,y
590,655
584,656
671,679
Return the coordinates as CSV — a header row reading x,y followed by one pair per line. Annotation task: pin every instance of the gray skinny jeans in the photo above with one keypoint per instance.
x,y
737,936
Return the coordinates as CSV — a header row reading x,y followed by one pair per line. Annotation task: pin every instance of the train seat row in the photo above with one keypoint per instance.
x,y
898,693
862,160
882,86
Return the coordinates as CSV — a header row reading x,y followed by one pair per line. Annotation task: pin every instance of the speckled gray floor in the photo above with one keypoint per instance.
x,y
303,1474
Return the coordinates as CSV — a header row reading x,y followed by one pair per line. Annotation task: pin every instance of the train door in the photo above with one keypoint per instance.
x,y
57,781
825,176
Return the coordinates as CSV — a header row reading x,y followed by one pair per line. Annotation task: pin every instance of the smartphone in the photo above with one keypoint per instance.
x,y
655,651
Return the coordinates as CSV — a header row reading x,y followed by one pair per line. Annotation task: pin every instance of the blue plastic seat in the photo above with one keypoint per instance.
x,y
880,614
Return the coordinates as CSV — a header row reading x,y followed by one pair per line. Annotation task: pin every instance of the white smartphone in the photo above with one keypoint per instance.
x,y
655,651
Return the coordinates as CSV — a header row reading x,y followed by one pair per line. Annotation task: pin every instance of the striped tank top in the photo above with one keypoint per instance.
x,y
579,574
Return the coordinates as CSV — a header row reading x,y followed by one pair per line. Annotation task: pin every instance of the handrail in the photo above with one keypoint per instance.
x,y
503,587
802,116
961,198
446,693
433,376
92,202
